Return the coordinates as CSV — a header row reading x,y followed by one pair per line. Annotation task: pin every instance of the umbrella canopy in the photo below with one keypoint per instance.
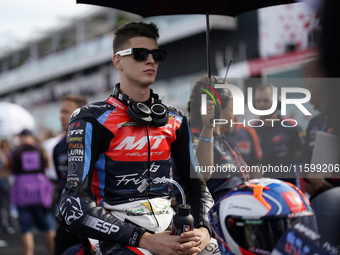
x,y
14,118
147,8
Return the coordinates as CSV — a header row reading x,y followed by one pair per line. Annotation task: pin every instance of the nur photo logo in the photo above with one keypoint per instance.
x,y
239,103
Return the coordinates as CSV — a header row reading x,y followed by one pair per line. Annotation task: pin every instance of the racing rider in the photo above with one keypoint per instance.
x,y
118,152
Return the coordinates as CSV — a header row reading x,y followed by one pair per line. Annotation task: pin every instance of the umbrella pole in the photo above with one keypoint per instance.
x,y
218,106
208,46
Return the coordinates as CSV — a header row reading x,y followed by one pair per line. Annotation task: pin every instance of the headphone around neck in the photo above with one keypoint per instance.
x,y
155,115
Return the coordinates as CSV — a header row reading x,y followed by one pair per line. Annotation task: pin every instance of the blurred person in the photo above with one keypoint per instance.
x,y
119,151
329,57
31,192
212,147
5,148
69,103
319,99
48,141
246,140
329,46
329,61
5,205
281,145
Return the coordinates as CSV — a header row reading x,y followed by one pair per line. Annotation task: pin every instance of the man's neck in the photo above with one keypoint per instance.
x,y
138,94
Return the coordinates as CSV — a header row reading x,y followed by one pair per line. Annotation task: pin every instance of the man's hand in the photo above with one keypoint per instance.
x,y
161,243
192,242
209,115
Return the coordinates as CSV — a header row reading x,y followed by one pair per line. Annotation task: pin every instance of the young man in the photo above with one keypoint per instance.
x,y
119,153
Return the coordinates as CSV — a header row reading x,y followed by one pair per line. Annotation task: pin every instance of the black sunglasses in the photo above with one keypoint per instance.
x,y
142,54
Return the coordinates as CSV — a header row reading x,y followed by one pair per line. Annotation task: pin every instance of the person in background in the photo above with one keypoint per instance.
x,y
6,221
281,145
212,147
321,122
32,192
119,152
49,139
246,140
69,103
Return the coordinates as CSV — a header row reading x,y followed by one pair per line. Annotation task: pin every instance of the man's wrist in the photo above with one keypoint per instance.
x,y
136,238
206,135
205,225
145,241
206,139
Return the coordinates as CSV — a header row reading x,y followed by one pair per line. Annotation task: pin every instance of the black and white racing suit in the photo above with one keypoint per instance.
x,y
109,159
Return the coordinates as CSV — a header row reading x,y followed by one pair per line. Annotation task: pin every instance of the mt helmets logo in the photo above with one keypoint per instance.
x,y
239,105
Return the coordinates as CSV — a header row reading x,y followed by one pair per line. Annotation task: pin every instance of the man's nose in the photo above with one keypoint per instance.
x,y
150,59
260,105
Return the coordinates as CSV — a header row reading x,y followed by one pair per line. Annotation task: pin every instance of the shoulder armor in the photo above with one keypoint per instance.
x,y
93,110
176,111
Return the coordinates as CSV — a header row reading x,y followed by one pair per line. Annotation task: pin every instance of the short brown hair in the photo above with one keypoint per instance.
x,y
131,30
264,86
79,100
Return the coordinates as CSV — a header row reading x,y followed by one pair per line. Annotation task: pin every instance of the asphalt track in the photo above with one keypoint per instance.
x,y
10,244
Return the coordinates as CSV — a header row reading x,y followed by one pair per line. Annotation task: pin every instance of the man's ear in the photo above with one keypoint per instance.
x,y
116,61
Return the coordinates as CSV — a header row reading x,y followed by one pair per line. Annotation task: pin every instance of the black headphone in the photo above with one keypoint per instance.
x,y
156,115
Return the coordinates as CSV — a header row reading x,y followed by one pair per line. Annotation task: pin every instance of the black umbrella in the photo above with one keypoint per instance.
x,y
148,8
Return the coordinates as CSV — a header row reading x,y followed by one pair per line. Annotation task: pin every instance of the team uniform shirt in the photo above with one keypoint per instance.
x,y
278,144
316,124
114,190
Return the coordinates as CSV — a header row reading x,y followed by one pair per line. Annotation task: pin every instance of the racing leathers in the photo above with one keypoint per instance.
x,y
115,188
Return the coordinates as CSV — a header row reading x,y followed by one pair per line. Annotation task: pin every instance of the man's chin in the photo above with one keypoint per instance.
x,y
148,82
